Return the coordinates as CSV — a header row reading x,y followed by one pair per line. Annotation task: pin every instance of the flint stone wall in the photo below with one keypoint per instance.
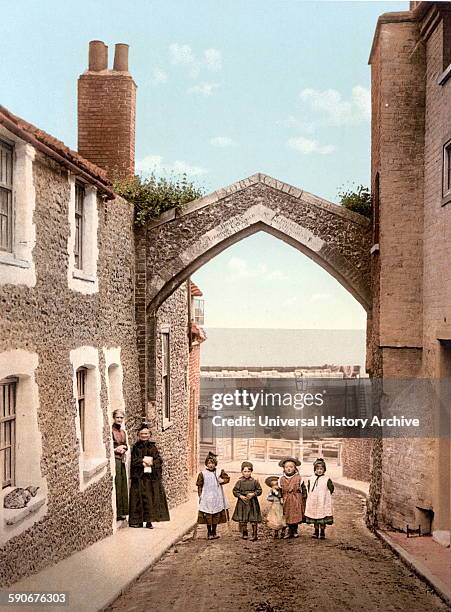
x,y
172,442
51,320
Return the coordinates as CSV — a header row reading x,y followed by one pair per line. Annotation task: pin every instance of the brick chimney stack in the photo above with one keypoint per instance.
x,y
106,111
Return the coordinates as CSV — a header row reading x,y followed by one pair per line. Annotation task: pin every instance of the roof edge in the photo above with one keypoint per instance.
x,y
414,15
57,150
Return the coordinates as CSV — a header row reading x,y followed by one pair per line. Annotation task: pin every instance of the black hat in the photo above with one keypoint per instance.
x,y
247,464
144,425
271,479
292,459
319,461
211,457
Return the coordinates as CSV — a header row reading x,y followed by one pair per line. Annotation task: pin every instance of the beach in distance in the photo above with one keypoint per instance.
x,y
252,347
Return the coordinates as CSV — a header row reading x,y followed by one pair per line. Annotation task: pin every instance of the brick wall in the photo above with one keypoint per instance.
x,y
401,147
356,459
194,398
106,118
411,276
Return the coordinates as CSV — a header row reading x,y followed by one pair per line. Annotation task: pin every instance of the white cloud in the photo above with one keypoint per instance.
x,y
203,89
155,163
213,59
240,268
222,141
337,110
306,146
362,100
182,55
159,76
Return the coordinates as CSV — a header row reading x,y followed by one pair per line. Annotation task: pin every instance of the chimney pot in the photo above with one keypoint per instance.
x,y
121,57
98,56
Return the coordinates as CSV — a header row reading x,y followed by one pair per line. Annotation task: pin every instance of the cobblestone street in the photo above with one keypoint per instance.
x,y
349,571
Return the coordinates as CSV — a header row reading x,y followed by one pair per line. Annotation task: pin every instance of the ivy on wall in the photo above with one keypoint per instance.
x,y
153,195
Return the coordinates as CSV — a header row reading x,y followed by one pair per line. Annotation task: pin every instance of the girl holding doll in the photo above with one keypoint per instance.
x,y
275,518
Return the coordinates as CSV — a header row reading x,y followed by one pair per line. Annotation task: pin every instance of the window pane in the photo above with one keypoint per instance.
x,y
81,386
448,162
7,430
6,219
165,353
6,165
79,220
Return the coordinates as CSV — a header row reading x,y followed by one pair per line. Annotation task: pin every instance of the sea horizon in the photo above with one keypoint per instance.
x,y
282,347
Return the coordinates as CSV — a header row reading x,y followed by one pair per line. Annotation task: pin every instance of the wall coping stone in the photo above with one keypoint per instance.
x,y
256,179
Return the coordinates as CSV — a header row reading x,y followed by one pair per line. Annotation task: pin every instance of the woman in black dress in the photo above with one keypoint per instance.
x,y
147,497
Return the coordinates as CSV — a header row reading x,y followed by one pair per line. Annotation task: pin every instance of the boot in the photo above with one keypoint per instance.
x,y
209,532
276,534
322,533
254,532
283,532
214,535
244,533
316,534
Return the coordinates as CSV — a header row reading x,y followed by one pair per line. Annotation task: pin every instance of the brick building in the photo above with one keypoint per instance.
x,y
411,325
69,283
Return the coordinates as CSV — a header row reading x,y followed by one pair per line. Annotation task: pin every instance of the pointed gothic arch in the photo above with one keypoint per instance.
x,y
175,245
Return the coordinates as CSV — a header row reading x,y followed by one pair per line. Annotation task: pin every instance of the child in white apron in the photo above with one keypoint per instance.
x,y
319,508
213,505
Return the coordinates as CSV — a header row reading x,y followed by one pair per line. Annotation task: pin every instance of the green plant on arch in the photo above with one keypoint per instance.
x,y
357,199
153,195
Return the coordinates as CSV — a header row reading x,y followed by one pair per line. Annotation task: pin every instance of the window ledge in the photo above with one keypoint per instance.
x,y
374,249
13,516
9,259
166,424
91,467
446,199
83,276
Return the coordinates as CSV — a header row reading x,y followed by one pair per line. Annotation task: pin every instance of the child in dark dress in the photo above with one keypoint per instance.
x,y
247,509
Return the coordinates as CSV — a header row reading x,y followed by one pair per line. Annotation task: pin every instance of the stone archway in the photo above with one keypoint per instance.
x,y
172,247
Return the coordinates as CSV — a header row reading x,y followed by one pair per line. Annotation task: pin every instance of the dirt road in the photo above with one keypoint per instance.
x,y
348,571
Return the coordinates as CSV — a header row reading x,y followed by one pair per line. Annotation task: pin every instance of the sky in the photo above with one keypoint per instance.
x,y
226,89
